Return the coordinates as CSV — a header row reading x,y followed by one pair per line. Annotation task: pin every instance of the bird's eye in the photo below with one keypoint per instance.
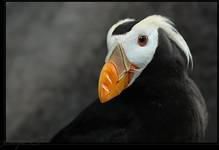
x,y
142,40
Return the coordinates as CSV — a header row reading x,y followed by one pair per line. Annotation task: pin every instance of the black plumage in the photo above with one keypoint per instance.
x,y
163,105
124,28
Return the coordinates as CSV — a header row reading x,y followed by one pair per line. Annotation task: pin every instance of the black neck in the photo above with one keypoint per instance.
x,y
168,64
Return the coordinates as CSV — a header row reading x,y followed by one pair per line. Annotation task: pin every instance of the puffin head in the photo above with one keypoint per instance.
x,y
131,48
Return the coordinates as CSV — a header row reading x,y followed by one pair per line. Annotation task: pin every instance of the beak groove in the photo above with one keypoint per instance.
x,y
114,76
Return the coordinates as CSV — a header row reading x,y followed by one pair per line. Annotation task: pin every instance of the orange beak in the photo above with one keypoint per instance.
x,y
115,75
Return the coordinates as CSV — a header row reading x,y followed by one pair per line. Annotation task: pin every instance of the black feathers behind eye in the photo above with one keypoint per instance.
x,y
124,28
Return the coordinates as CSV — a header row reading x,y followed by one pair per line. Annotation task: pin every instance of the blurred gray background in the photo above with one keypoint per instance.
x,y
54,53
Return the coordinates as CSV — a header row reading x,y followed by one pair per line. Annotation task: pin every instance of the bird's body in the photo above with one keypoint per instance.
x,y
152,118
163,105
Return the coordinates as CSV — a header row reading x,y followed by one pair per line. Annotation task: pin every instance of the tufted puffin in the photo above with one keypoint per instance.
x,y
145,93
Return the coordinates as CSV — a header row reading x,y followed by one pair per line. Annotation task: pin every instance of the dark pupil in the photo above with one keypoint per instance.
x,y
142,39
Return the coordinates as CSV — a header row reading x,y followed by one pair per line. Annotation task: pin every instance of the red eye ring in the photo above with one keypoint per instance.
x,y
142,40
